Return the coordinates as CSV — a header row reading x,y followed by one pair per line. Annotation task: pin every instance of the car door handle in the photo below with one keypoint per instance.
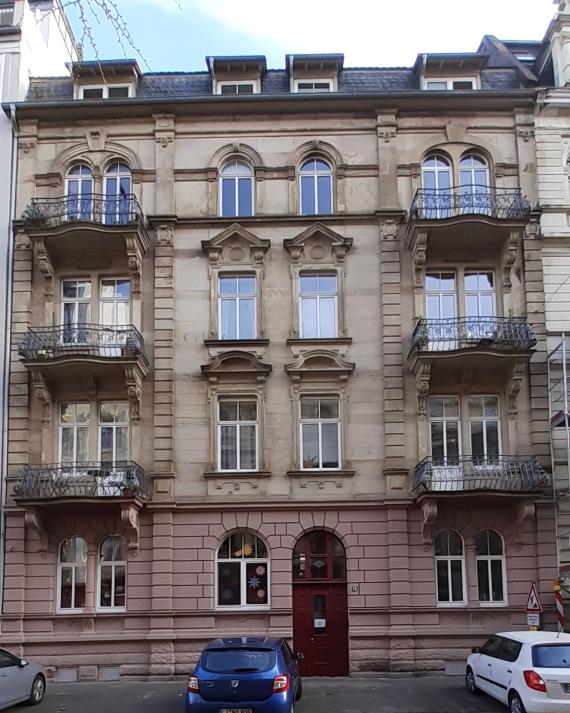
x,y
509,670
488,664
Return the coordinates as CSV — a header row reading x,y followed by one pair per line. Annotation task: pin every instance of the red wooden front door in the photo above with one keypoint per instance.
x,y
320,607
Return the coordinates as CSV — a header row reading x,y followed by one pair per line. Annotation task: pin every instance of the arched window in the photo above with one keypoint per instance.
x,y
242,567
474,183
490,559
112,578
236,189
79,192
319,555
118,189
450,567
436,183
72,566
316,187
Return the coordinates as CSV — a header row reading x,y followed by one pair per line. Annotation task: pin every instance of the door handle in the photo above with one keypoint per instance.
x,y
488,664
509,670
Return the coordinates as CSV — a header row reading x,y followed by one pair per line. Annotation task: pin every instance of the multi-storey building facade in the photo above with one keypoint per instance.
x,y
35,37
278,364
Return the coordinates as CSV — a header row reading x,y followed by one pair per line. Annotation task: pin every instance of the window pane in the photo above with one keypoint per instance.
x,y
310,453
247,411
256,591
471,306
487,308
435,408
228,410
477,445
67,445
228,285
456,581
120,586
327,283
448,306
122,452
122,412
437,445
483,580
442,581
229,319
475,408
330,445
436,86
455,543
319,568
224,551
246,319
324,194
308,283
106,585
228,197
66,587
452,435
245,187
492,438
246,285
309,318
495,543
327,317
308,195
229,583
497,580
309,408
491,406
329,408
261,548
451,406
228,447
107,412
441,543
248,448
80,574
82,444
339,568
106,435
106,553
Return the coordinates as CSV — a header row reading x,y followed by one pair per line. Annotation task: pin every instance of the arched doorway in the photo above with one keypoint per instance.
x,y
320,604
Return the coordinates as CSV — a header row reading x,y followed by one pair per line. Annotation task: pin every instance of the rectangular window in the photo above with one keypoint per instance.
x,y
443,85
229,88
490,579
444,429
115,302
440,295
107,91
320,433
237,435
114,432
73,433
479,294
92,93
484,427
237,310
318,306
313,86
75,311
119,92
449,580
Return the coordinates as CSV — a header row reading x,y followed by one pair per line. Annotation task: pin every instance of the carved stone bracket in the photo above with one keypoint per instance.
x,y
390,230
131,525
165,236
419,257
524,512
45,266
135,259
34,521
423,378
429,515
164,129
509,257
387,126
43,393
516,377
133,382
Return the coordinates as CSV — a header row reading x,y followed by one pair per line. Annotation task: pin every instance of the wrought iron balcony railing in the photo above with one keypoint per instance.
x,y
82,340
442,203
499,333
87,208
81,480
467,473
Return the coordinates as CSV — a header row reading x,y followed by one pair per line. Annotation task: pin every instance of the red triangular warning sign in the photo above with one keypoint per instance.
x,y
533,604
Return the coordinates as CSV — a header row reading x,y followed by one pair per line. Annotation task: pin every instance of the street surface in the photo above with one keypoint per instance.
x,y
430,694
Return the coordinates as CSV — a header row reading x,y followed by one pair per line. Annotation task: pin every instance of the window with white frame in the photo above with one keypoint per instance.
x,y
236,87
237,434
490,560
72,572
318,305
113,432
484,428
105,91
479,294
236,187
320,433
450,568
242,572
443,85
118,189
237,307
75,310
316,187
74,433
79,193
444,422
112,574
115,301
313,86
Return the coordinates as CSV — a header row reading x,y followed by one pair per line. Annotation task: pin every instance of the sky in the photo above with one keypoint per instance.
x,y
178,34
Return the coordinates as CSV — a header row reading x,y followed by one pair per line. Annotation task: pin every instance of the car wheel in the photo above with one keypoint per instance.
x,y
299,691
515,703
38,690
470,684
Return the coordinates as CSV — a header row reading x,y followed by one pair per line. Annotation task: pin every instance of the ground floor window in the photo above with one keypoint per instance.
x,y
490,567
242,569
113,573
72,570
450,568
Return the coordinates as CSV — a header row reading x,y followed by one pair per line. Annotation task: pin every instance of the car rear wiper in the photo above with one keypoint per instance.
x,y
245,670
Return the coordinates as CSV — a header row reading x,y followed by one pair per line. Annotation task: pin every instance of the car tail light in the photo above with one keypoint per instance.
x,y
193,685
281,683
534,681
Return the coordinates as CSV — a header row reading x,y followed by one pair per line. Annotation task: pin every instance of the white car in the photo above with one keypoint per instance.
x,y
20,681
529,671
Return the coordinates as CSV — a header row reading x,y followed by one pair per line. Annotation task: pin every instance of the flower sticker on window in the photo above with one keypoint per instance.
x,y
254,582
260,570
261,594
247,550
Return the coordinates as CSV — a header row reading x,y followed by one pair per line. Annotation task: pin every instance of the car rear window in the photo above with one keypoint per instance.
x,y
551,656
238,660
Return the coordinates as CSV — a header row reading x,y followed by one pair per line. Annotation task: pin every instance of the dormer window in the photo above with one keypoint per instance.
x,y
105,91
237,87
444,85
316,86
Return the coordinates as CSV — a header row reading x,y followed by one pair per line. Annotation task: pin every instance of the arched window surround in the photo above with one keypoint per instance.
x,y
236,188
331,549
71,575
117,567
244,554
491,566
450,569
316,185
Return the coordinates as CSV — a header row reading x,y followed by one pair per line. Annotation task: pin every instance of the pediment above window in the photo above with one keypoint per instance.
x,y
318,244
242,365
234,246
320,363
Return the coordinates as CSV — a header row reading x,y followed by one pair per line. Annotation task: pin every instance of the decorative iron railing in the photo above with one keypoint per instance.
x,y
87,208
442,203
499,333
465,473
82,340
81,480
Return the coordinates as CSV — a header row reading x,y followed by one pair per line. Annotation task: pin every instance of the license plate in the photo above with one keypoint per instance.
x,y
236,710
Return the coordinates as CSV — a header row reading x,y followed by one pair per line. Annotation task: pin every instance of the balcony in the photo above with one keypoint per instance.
x,y
81,356
496,334
468,474
469,201
69,231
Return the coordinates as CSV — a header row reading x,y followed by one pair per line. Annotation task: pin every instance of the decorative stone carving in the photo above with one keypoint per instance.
x,y
387,126
334,246
164,129
419,257
236,363
526,133
223,247
131,525
423,379
43,394
133,382
135,260
46,268
33,520
509,257
429,515
324,363
321,484
165,235
390,230
514,386
96,139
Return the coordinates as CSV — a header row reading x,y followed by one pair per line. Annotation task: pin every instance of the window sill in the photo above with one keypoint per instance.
x,y
332,341
451,605
237,474
251,609
329,473
229,343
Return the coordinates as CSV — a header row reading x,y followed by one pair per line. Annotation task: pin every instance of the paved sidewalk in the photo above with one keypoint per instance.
x,y
431,694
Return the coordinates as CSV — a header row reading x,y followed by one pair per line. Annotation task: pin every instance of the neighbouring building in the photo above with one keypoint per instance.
x,y
35,38
279,364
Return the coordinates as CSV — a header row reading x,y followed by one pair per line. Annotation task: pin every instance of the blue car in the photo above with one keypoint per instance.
x,y
245,675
